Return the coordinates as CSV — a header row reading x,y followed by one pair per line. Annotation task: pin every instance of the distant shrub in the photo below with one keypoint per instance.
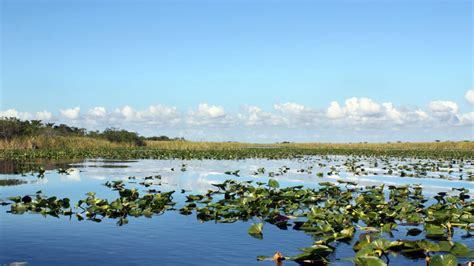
x,y
163,138
10,127
159,138
123,136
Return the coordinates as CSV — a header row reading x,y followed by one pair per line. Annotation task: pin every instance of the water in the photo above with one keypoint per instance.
x,y
171,238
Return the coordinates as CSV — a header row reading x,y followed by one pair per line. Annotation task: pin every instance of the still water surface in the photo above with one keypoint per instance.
x,y
171,238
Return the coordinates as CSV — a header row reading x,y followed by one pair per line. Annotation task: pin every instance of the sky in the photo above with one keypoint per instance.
x,y
239,70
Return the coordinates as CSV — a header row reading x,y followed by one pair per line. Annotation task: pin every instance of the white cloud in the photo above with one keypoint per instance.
x,y
358,115
209,110
161,115
16,114
335,111
361,107
44,115
467,119
290,108
71,113
255,116
97,112
211,115
444,111
154,114
469,96
127,113
161,112
297,115
358,111
392,113
419,115
443,107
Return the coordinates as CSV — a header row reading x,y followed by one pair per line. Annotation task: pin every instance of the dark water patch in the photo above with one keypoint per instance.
x,y
12,182
108,165
111,161
13,167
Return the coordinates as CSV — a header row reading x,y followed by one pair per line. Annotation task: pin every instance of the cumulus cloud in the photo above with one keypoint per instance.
x,y
443,107
71,113
161,114
363,110
97,111
362,107
335,111
127,113
392,113
255,116
206,114
154,114
467,119
297,115
421,115
206,110
290,108
356,114
469,96
15,114
444,110
44,115
162,111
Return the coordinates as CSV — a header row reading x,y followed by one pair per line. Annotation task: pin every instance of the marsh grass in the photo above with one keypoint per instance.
x,y
58,142
79,142
447,145
61,147
429,146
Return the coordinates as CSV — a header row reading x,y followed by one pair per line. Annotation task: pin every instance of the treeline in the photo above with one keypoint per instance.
x,y
14,128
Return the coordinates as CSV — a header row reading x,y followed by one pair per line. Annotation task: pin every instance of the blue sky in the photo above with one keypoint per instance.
x,y
57,55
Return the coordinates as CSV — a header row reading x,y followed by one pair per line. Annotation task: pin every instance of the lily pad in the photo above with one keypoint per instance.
x,y
369,261
443,260
256,230
273,183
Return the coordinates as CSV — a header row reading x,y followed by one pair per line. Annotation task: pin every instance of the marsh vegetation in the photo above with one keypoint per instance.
x,y
28,140
364,204
347,209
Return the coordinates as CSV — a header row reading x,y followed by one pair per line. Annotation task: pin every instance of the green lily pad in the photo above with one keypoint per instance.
x,y
256,230
369,261
461,250
443,260
428,246
434,231
273,183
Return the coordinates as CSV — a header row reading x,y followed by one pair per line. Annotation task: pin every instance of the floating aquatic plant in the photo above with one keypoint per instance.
x,y
331,214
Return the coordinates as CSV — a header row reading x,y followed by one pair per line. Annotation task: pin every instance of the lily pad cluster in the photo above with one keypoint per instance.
x,y
337,213
331,214
243,152
93,208
128,204
41,204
